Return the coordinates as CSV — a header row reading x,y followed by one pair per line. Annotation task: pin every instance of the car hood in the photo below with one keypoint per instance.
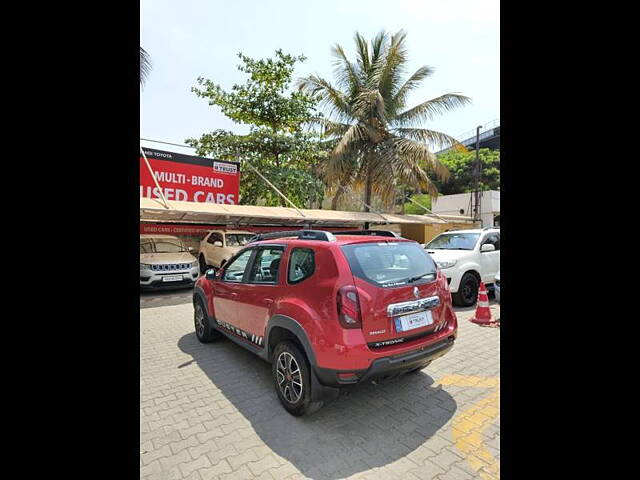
x,y
158,258
446,255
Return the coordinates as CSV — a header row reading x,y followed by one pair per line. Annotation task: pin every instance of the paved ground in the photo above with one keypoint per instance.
x,y
210,411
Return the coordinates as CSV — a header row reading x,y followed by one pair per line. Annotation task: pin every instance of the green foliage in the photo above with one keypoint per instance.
x,y
422,199
461,167
276,145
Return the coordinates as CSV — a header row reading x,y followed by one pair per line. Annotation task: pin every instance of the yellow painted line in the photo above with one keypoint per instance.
x,y
469,381
467,426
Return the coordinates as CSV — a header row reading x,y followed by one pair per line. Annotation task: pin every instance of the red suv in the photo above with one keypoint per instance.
x,y
328,310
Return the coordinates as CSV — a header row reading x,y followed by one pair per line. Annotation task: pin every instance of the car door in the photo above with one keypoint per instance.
x,y
257,294
226,288
490,261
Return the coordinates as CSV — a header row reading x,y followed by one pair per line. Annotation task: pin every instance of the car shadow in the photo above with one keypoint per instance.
x,y
365,427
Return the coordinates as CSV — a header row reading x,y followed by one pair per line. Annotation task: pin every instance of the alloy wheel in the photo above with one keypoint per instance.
x,y
289,377
199,317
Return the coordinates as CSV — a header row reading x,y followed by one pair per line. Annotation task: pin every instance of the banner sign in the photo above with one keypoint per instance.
x,y
189,178
202,230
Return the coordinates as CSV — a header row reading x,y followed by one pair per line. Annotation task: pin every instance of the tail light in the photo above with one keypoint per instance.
x,y
349,307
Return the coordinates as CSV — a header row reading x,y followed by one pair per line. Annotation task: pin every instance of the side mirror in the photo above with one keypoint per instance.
x,y
487,247
217,243
210,274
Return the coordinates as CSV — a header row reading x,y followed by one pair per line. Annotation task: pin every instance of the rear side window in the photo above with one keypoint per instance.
x,y
390,264
302,264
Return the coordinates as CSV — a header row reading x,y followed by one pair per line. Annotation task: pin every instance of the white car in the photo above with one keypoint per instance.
x,y
467,257
218,246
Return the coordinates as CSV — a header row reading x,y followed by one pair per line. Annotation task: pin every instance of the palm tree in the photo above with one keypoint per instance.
x,y
376,141
145,66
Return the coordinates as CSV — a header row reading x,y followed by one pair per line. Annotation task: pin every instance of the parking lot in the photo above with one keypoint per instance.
x,y
210,411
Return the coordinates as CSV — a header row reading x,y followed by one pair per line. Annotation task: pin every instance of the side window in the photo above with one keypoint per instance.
x,y
214,237
146,246
302,264
235,270
266,266
493,239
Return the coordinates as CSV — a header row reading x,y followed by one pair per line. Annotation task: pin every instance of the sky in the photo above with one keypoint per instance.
x,y
186,39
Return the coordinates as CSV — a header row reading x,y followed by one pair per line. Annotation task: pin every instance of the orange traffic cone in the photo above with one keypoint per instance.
x,y
483,314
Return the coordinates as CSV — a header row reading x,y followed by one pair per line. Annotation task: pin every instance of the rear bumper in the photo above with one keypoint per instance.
x,y
387,366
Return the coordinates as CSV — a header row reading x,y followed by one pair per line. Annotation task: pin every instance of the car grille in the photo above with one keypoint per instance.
x,y
168,267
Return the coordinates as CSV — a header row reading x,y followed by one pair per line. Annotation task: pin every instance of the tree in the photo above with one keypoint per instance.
x,y
461,166
276,145
422,199
377,142
145,66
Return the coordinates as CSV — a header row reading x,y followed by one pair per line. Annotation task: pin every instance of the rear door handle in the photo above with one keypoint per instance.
x,y
233,294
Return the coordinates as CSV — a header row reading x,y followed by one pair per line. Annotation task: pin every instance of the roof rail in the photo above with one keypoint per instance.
x,y
489,228
300,234
379,233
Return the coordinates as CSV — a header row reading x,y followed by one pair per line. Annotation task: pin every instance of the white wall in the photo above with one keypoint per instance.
x,y
452,204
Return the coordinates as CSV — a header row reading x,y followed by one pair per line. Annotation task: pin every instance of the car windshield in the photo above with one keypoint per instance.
x,y
168,245
454,241
390,264
238,239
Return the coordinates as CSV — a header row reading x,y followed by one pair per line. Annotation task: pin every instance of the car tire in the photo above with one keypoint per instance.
x,y
203,264
204,332
467,293
292,379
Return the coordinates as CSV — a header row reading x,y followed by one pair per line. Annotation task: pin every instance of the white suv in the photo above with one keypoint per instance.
x,y
466,257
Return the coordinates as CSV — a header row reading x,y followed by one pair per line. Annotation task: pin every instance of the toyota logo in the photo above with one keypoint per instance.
x,y
416,292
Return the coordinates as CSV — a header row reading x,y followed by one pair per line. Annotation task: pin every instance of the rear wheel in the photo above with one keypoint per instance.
x,y
291,375
204,332
467,293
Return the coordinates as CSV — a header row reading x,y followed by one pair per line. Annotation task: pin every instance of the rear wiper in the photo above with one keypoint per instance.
x,y
418,277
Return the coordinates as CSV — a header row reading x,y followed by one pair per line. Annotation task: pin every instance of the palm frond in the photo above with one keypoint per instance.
x,y
399,98
429,109
346,72
364,60
145,66
389,68
417,153
329,96
434,138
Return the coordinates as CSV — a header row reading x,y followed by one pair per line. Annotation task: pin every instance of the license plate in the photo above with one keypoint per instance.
x,y
172,278
413,321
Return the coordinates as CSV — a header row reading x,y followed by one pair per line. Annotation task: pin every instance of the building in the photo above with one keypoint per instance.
x,y
462,204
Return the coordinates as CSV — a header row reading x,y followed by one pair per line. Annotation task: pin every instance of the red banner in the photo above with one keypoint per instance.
x,y
189,179
201,230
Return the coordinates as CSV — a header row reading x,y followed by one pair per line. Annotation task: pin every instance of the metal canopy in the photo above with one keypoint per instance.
x,y
152,210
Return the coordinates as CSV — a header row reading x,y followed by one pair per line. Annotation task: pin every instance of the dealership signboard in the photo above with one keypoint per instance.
x,y
189,178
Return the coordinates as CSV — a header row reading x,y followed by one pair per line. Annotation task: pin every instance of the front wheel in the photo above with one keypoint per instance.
x,y
467,293
291,375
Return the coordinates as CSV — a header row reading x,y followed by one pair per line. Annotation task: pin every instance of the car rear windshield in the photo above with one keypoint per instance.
x,y
390,264
454,241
